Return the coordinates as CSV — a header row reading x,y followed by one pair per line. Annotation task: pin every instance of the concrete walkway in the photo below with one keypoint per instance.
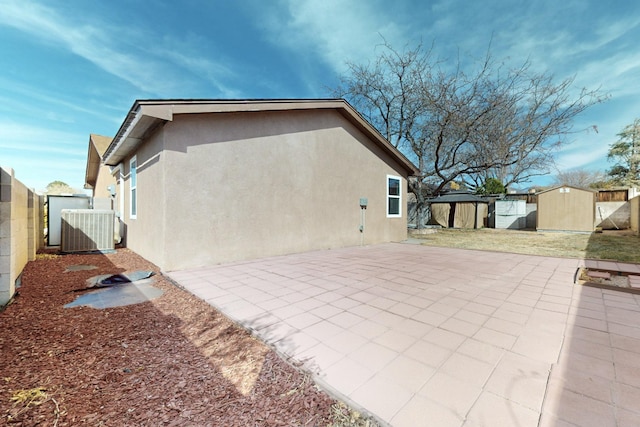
x,y
430,336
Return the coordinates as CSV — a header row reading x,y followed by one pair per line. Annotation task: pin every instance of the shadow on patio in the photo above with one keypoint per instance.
x,y
596,380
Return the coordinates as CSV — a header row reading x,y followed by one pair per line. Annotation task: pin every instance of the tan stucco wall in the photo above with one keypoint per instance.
x,y
561,210
249,185
20,230
145,234
104,179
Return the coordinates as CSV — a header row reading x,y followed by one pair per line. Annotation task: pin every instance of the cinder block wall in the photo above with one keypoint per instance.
x,y
35,223
612,215
20,230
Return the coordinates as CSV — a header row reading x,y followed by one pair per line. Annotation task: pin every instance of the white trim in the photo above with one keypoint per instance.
x,y
390,196
133,186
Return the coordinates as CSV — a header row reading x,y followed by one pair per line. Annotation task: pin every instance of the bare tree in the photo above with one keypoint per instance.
x,y
583,178
491,122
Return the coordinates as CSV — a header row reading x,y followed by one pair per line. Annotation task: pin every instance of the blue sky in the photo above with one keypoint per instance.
x,y
74,67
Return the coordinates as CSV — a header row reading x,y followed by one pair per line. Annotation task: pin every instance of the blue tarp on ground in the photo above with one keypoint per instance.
x,y
118,290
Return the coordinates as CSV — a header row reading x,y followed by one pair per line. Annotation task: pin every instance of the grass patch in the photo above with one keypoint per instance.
x,y
614,246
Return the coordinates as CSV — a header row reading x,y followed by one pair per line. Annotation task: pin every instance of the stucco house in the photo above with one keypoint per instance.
x,y
98,177
203,182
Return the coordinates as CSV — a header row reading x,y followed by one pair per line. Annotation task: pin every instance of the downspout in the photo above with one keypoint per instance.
x,y
118,225
122,190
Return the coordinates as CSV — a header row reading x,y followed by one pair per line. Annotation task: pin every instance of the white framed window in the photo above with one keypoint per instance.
x,y
133,185
394,196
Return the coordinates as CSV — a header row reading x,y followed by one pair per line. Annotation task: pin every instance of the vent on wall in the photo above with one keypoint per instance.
x,y
86,230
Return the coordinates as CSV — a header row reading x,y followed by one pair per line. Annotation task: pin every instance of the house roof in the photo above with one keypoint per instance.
x,y
148,114
98,145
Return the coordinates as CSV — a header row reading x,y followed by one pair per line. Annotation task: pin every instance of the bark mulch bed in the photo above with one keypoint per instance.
x,y
173,361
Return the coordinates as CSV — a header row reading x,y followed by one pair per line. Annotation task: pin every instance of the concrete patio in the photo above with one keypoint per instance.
x,y
430,336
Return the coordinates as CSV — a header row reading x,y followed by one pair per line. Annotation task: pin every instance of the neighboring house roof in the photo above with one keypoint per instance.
x,y
458,197
98,145
146,115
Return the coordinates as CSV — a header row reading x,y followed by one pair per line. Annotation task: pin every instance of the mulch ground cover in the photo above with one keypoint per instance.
x,y
173,361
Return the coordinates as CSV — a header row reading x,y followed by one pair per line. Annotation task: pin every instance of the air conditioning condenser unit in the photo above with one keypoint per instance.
x,y
87,230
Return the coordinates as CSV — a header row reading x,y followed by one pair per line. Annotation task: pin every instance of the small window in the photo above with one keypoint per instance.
x,y
133,183
394,196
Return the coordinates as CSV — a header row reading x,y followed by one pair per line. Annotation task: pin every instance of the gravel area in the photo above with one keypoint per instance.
x,y
173,361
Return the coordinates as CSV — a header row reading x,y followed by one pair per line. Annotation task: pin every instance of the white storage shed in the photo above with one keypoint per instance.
x,y
511,214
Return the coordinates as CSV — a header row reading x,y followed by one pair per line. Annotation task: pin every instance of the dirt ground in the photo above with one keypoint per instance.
x,y
168,362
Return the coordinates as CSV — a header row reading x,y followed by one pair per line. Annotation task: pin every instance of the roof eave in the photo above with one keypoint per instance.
x,y
140,121
93,164
97,146
364,125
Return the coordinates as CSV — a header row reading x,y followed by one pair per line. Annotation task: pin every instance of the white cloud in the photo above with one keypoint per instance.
x,y
584,153
181,53
46,104
84,40
589,149
97,42
609,32
40,156
332,29
28,138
